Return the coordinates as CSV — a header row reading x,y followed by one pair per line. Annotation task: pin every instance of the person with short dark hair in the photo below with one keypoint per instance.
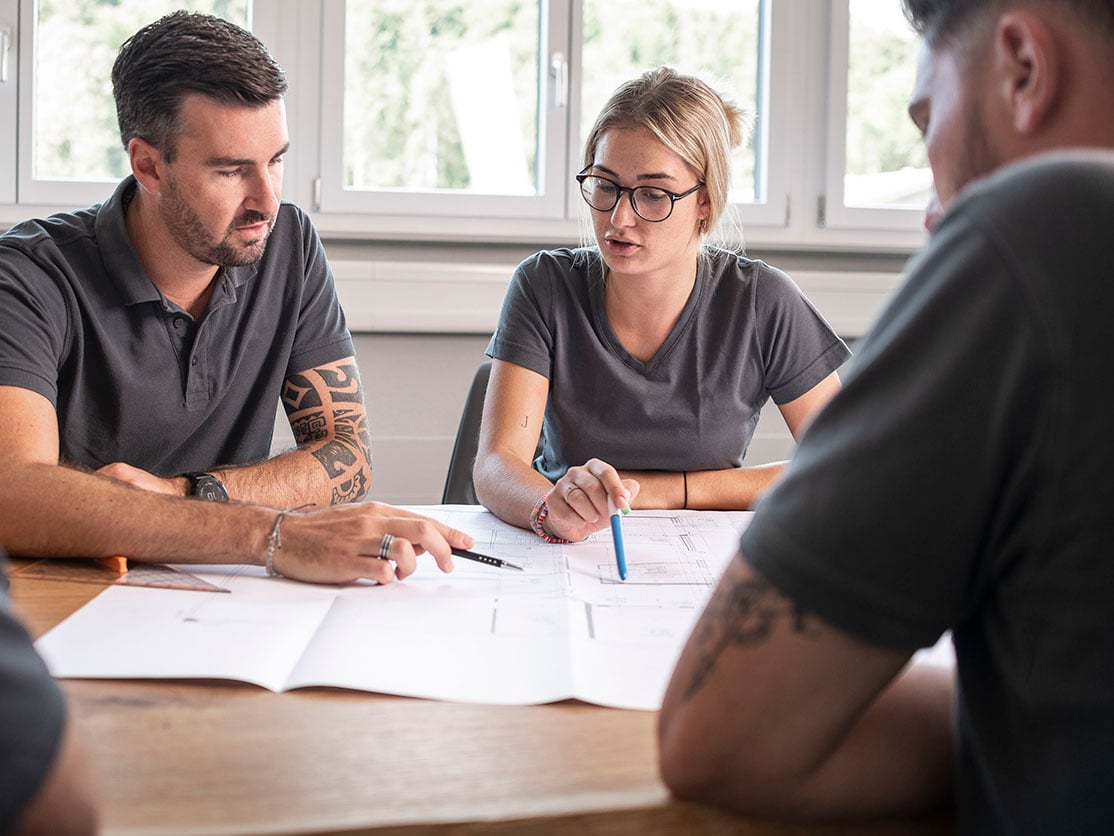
x,y
145,341
960,481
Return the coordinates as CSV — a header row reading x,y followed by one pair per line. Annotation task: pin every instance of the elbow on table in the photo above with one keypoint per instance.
x,y
688,761
701,762
485,475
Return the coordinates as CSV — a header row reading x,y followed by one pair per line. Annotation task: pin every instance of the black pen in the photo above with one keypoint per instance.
x,y
483,558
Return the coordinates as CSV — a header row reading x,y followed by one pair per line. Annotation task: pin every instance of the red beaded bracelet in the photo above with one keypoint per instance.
x,y
537,517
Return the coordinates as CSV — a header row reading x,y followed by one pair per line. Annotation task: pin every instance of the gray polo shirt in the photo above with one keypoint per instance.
x,y
746,334
133,377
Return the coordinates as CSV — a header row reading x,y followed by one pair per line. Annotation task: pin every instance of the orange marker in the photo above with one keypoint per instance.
x,y
117,564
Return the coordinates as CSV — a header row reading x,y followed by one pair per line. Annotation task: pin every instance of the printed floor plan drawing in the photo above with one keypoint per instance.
x,y
565,627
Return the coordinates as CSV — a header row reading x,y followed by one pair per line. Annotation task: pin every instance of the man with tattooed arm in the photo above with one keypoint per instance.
x,y
960,481
144,342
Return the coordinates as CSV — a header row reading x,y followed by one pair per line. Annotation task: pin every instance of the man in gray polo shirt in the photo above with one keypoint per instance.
x,y
144,341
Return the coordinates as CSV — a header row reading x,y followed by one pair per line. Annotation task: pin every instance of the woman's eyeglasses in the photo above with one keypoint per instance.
x,y
648,202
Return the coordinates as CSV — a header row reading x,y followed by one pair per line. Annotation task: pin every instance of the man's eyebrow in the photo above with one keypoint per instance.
x,y
235,162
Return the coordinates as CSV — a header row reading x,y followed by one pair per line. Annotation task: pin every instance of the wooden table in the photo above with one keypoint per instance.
x,y
222,758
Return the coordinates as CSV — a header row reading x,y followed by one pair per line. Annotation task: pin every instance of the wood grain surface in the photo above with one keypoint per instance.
x,y
224,758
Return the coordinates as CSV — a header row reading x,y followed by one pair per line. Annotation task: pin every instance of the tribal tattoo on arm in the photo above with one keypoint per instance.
x,y
740,613
325,407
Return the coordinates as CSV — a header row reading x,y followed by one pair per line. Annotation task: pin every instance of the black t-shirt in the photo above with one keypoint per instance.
x,y
962,480
132,376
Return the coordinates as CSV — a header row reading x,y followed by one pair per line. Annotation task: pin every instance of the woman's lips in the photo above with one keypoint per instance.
x,y
619,246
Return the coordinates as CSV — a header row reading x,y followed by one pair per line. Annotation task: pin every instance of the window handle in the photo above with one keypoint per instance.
x,y
559,72
5,45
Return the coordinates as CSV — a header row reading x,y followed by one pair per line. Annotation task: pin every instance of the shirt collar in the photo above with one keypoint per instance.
x,y
121,261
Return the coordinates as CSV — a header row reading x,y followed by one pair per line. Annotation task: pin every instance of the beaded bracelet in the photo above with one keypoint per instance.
x,y
537,517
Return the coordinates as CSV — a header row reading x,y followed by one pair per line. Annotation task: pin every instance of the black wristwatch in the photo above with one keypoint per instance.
x,y
207,486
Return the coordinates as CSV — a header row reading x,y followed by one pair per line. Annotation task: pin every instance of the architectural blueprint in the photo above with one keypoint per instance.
x,y
565,627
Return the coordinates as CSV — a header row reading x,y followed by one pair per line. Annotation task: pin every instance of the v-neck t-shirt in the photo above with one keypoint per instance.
x,y
746,334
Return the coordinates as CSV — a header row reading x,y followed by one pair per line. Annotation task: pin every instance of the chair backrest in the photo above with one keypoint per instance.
x,y
459,489
458,481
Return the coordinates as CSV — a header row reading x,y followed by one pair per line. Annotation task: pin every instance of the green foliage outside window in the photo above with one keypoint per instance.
x,y
74,122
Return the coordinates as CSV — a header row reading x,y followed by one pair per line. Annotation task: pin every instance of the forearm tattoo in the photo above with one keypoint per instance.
x,y
326,411
739,614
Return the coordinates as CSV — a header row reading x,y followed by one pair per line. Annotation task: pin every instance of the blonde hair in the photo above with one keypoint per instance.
x,y
688,117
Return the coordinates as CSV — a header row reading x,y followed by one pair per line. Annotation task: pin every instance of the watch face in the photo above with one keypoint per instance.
x,y
209,488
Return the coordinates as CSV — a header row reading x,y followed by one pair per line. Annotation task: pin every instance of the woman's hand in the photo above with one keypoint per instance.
x,y
578,502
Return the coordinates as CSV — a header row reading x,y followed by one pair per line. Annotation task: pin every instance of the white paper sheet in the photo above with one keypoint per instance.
x,y
566,627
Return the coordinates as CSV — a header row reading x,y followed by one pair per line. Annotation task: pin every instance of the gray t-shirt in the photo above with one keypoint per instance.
x,y
132,376
746,334
32,714
962,480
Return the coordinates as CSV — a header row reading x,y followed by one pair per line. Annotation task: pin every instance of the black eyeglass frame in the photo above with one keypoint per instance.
x,y
673,196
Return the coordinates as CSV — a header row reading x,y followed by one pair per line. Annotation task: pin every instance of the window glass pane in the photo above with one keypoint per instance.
x,y
718,42
886,163
441,95
74,117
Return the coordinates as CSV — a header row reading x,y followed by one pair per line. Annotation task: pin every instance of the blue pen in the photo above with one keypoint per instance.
x,y
617,537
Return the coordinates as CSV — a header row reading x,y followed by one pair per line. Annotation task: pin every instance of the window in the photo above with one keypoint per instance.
x,y
452,108
9,55
443,120
68,122
447,108
717,42
879,173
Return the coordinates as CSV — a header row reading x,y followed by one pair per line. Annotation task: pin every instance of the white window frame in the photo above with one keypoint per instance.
x,y
800,141
75,193
9,98
552,87
836,214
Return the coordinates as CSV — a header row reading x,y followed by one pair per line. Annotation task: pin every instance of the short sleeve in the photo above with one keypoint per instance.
x,y
799,349
322,336
32,325
524,334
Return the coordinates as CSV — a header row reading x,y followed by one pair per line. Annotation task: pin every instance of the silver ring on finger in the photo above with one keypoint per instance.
x,y
385,547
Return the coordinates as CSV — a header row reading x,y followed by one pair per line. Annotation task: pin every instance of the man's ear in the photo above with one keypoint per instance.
x,y
148,164
1027,62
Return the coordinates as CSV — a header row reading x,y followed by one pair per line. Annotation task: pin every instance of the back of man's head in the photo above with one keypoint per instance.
x,y
183,53
942,21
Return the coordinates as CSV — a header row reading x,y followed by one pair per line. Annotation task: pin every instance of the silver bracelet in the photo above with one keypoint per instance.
x,y
275,540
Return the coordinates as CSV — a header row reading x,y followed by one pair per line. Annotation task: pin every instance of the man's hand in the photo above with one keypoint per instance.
x,y
343,543
121,472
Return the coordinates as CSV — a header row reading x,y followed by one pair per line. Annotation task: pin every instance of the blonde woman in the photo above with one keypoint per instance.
x,y
649,356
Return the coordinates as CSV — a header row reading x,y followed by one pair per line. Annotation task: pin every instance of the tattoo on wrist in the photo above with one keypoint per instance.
x,y
739,615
